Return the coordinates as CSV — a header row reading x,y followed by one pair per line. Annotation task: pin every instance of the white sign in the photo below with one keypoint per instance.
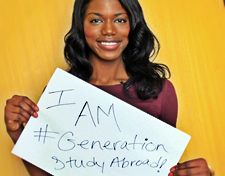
x,y
82,130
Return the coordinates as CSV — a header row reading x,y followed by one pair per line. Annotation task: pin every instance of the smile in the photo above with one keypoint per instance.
x,y
109,43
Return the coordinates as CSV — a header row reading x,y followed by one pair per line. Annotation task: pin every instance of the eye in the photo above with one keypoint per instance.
x,y
120,20
96,21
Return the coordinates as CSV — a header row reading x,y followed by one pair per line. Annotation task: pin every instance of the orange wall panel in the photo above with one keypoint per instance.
x,y
191,34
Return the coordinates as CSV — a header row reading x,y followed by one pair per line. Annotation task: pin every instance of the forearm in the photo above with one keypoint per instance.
x,y
33,170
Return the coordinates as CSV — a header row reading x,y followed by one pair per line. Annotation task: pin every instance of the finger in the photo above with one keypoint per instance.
x,y
15,121
31,104
17,118
192,167
189,171
16,99
191,164
27,105
18,110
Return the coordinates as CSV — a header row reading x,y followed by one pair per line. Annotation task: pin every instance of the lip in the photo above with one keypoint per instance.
x,y
109,45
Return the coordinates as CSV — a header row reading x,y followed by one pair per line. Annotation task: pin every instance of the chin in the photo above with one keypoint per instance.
x,y
110,58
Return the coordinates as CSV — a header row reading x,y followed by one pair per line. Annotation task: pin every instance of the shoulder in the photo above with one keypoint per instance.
x,y
168,86
168,93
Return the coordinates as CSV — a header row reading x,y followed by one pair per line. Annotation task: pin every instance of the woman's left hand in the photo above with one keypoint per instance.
x,y
193,167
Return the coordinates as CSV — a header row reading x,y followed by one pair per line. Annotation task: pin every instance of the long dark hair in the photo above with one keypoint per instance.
x,y
146,76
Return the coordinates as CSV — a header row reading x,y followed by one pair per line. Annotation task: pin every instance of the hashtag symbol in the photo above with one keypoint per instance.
x,y
43,134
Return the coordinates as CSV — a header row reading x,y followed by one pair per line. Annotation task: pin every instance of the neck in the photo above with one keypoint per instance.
x,y
108,72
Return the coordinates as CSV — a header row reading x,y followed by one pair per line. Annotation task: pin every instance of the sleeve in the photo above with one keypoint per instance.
x,y
169,106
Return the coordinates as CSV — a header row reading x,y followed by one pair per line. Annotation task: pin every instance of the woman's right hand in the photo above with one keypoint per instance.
x,y
18,110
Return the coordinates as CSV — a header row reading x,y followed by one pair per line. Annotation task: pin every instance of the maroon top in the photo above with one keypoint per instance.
x,y
164,107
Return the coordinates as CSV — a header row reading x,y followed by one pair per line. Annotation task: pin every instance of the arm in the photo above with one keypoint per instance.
x,y
169,115
169,105
18,110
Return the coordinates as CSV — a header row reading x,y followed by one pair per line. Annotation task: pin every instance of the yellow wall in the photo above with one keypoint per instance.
x,y
191,34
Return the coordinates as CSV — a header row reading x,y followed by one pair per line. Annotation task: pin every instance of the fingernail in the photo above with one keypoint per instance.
x,y
35,107
170,174
35,114
173,168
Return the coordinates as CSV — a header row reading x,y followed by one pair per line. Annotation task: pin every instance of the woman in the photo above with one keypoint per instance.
x,y
109,43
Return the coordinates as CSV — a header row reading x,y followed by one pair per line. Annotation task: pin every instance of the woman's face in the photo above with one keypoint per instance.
x,y
106,29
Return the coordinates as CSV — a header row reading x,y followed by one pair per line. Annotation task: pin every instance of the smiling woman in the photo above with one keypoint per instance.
x,y
105,47
106,32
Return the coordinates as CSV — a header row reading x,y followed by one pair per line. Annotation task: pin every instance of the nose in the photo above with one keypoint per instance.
x,y
108,29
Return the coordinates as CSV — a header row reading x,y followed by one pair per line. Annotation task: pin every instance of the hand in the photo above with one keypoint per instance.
x,y
18,110
193,167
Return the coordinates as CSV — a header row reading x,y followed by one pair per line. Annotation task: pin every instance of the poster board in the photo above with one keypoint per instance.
x,y
82,130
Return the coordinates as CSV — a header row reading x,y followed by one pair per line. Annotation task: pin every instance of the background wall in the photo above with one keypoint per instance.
x,y
191,34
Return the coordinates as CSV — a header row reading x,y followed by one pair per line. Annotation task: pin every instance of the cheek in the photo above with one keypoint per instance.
x,y
89,32
89,37
125,34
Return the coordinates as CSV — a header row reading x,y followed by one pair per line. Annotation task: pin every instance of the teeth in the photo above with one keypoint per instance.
x,y
108,43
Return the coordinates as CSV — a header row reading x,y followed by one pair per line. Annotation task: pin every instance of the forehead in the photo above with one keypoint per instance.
x,y
105,7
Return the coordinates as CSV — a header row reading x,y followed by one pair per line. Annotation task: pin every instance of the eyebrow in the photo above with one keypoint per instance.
x,y
99,14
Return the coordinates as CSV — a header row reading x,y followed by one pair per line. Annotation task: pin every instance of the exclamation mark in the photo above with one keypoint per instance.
x,y
163,162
